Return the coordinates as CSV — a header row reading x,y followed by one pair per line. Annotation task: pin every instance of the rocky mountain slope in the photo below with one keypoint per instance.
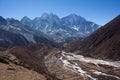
x,y
14,33
103,43
9,39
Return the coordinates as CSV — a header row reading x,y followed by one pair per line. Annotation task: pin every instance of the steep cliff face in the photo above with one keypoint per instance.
x,y
103,43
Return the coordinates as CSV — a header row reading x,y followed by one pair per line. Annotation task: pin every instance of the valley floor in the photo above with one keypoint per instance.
x,y
68,66
60,65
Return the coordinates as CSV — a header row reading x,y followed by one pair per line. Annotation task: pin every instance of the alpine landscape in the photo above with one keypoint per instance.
x,y
39,44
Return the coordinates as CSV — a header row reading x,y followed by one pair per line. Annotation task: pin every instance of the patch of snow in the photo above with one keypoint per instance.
x,y
97,72
100,73
72,56
1,39
75,28
29,37
37,28
87,31
85,28
18,29
45,29
99,26
93,25
14,28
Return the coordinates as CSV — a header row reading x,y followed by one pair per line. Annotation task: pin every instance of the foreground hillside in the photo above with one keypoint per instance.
x,y
47,63
15,72
30,57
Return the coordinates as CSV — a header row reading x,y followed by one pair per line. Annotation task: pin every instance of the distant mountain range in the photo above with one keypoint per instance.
x,y
61,29
48,28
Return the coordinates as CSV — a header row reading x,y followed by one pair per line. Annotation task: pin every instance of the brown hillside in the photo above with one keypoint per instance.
x,y
30,57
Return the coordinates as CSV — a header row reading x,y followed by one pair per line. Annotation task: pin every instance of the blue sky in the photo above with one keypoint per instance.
x,y
98,11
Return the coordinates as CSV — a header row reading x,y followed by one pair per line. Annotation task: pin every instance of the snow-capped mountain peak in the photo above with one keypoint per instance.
x,y
61,28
